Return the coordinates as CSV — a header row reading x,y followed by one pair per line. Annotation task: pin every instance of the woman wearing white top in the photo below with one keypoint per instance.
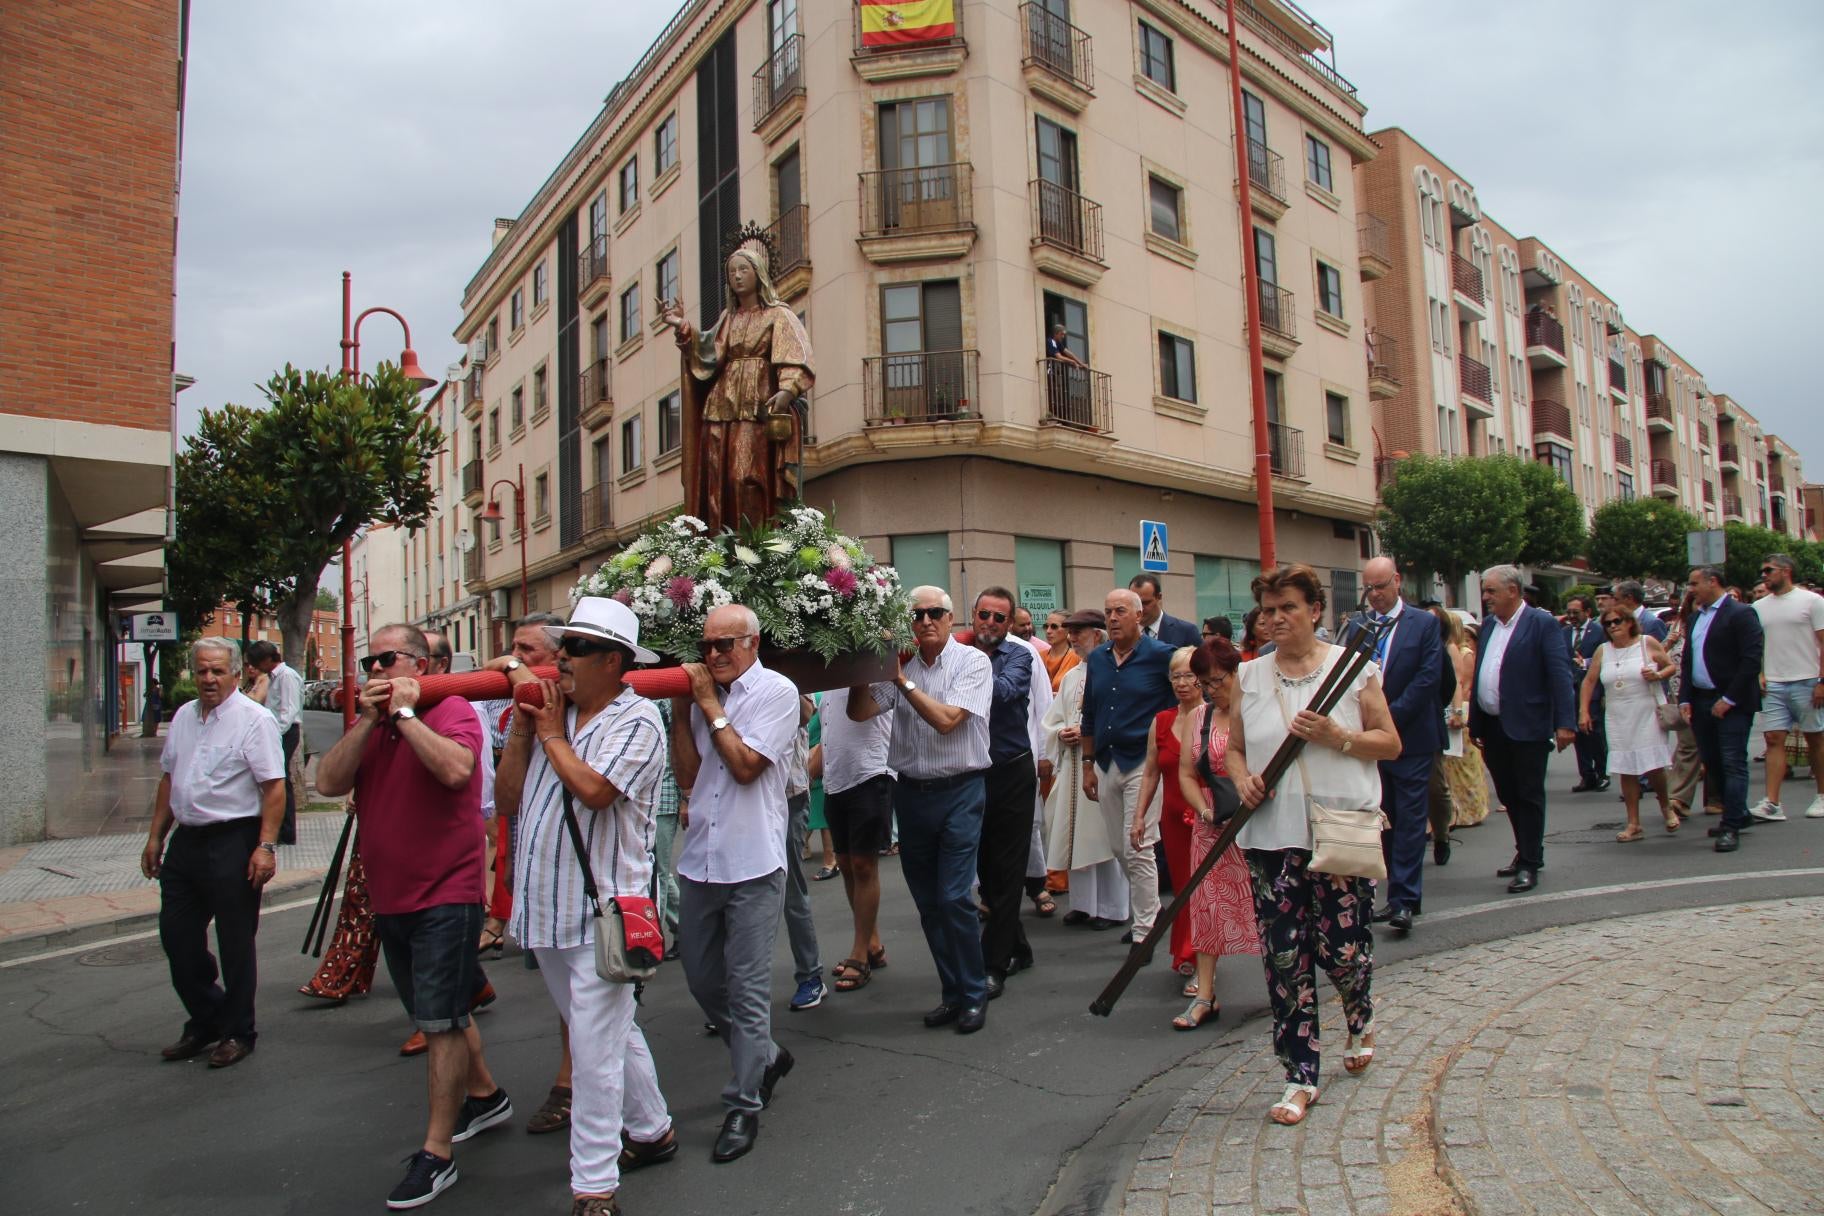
x,y
1631,667
1307,919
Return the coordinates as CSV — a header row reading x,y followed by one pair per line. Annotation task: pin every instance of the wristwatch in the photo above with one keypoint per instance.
x,y
907,685
270,847
400,715
514,665
717,725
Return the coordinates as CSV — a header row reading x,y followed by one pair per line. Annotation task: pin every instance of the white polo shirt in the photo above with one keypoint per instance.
x,y
218,763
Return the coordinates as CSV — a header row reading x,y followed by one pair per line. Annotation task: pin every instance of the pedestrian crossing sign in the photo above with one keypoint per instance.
x,y
1155,553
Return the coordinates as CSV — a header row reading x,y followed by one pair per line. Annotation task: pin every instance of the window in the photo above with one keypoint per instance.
x,y
630,185
541,285
541,391
475,442
599,339
1168,209
1330,289
671,423
517,310
630,313
1273,381
1254,122
1336,418
493,336
668,274
1177,368
1558,457
518,413
1156,58
598,220
494,428
1317,162
665,145
631,457
541,496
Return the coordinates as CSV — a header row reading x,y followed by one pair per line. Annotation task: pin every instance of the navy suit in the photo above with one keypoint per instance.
x,y
1592,744
1412,666
1174,631
1536,700
1733,647
1651,625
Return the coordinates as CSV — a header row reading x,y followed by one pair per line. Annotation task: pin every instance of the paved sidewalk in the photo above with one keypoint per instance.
x,y
1664,1064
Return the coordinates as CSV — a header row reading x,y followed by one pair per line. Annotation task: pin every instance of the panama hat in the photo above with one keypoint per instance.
x,y
605,619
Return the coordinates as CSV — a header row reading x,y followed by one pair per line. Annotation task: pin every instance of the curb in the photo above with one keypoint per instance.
x,y
103,930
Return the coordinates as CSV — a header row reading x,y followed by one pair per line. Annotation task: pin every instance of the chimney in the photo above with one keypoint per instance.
x,y
501,228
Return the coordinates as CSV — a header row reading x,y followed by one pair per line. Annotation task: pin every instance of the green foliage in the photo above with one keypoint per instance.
x,y
1576,589
1642,538
177,694
222,491
326,600
1555,530
1453,516
1745,545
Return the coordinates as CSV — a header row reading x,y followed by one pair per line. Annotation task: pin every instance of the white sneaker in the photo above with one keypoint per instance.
x,y
1767,812
1816,809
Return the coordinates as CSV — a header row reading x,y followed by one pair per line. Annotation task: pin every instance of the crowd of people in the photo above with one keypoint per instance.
x,y
1092,766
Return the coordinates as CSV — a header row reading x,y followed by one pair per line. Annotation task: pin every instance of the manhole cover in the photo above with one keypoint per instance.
x,y
1596,833
126,954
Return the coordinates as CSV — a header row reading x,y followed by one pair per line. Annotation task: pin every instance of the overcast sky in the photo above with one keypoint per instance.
x,y
1673,151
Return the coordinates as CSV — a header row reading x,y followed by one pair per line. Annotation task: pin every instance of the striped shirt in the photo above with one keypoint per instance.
x,y
962,677
625,743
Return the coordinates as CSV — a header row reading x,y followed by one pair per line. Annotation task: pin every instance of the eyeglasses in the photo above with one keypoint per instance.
x,y
578,648
720,645
983,614
385,658
1613,623
1383,584
932,614
1183,675
1768,569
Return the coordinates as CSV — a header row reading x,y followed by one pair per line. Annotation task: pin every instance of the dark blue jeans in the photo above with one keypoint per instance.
x,y
1722,744
431,956
1405,798
940,831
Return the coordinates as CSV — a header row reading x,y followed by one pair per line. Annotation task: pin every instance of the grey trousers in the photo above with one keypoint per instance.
x,y
726,935
665,873
800,929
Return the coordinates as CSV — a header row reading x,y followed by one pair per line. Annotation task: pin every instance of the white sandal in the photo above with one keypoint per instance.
x,y
1291,1107
1357,1059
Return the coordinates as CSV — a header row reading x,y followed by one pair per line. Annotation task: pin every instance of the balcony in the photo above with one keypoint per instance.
x,y
471,394
1624,451
1066,233
1551,419
779,89
595,395
1077,397
471,483
1476,385
1466,287
1383,365
918,214
471,570
1729,457
1275,34
921,386
1373,246
1776,483
1286,451
1544,341
1266,181
1665,479
597,516
1278,321
1732,504
592,281
886,52
1703,435
791,234
1618,379
1058,65
1659,413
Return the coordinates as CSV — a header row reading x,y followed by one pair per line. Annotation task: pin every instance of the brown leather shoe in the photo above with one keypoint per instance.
x,y
414,1046
188,1047
230,1052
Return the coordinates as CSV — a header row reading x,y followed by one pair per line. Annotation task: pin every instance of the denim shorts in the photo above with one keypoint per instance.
x,y
431,956
861,817
1787,706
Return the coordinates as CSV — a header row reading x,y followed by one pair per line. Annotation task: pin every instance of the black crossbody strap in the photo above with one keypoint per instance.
x,y
576,842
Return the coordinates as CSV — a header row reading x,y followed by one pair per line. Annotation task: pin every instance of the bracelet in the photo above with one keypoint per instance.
x,y
548,738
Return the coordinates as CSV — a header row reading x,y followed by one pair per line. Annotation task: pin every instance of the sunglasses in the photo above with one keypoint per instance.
x,y
1613,623
720,645
578,648
983,614
385,658
932,614
1768,569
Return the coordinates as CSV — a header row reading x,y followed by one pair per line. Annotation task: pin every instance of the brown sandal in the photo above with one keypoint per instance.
x,y
1044,904
554,1115
877,958
851,973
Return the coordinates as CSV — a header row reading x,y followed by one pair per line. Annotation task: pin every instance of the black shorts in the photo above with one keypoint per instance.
x,y
431,956
861,817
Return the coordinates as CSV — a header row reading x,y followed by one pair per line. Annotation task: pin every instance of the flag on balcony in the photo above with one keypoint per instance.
x,y
897,23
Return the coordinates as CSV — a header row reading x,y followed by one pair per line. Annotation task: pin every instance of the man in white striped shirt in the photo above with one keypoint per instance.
x,y
595,749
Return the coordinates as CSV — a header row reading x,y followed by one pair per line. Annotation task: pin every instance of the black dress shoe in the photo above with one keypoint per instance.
x,y
1717,831
1381,915
1127,939
1401,920
1016,964
188,1047
997,984
943,1015
1582,787
782,1064
971,1018
1075,917
739,1131
1603,785
1524,880
1440,850
1099,923
1509,870
1727,841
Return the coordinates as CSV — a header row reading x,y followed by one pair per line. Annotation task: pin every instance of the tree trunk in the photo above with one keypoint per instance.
x,y
294,613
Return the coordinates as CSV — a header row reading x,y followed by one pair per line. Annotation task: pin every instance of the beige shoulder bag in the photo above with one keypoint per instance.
x,y
1344,842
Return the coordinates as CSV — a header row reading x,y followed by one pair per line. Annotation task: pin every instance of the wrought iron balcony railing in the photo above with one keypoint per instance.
x,y
1066,219
919,386
1076,396
928,198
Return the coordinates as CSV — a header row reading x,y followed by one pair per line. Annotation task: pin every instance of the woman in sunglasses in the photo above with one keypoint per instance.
x,y
1632,669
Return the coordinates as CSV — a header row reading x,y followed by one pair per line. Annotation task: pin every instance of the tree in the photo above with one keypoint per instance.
x,y
1746,545
1452,516
326,600
222,490
1641,538
1555,530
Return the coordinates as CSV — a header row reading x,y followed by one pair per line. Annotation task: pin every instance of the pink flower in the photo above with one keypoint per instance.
x,y
842,581
623,596
680,591
838,557
660,567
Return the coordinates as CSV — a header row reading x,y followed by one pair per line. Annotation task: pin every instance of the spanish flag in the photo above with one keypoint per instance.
x,y
898,23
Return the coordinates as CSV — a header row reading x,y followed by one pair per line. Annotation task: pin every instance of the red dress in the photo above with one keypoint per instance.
x,y
1222,906
1174,829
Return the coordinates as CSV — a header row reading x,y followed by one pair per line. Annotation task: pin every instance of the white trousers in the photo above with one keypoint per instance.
x,y
614,1084
1116,794
1035,857
1100,890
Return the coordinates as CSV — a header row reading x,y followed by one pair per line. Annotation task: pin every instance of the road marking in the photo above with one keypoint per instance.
x,y
1617,889
85,947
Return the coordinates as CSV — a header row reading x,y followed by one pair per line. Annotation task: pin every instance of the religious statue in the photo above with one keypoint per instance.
x,y
743,436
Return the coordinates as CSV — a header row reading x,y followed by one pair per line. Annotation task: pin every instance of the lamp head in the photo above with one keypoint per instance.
x,y
408,366
492,514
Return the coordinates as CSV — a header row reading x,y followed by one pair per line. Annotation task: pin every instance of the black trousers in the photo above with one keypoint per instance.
x,y
1593,748
1000,862
204,878
288,831
1518,770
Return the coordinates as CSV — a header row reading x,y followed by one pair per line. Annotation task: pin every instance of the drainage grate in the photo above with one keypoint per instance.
x,y
126,954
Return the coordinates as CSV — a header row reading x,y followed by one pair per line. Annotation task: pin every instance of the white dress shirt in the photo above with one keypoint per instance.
x,y
962,677
218,763
737,832
1496,634
488,732
853,752
285,696
1037,701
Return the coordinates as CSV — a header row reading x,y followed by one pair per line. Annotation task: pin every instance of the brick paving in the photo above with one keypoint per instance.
x,y
1668,1063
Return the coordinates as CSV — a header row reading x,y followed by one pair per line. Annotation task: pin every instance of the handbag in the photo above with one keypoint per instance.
x,y
1343,842
1664,712
629,936
1225,799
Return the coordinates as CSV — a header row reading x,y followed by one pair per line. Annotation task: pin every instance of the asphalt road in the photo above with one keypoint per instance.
x,y
321,730
880,1117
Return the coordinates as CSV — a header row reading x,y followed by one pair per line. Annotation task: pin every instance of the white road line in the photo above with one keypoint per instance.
x,y
132,937
1512,903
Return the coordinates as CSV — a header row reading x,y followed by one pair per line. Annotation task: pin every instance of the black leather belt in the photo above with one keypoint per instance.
x,y
221,826
931,785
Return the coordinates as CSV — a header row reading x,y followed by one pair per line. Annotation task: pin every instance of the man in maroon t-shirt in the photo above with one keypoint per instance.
x,y
417,786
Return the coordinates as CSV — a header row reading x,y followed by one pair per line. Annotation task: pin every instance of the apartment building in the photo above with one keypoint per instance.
x,y
322,657
88,206
938,197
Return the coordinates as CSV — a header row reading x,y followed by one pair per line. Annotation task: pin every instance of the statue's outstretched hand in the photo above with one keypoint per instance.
x,y
671,312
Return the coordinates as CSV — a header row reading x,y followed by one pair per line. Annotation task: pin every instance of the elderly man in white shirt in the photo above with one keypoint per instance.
x,y
732,741
222,788
285,702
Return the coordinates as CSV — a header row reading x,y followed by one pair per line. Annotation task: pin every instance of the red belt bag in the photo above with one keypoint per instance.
x,y
629,938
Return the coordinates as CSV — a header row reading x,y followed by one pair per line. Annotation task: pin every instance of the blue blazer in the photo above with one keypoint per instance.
x,y
1732,656
1175,631
1582,644
1652,626
1415,665
1537,693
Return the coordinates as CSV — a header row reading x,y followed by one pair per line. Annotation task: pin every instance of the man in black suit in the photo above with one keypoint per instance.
x,y
1630,596
1411,657
1522,705
1154,622
1582,636
1719,693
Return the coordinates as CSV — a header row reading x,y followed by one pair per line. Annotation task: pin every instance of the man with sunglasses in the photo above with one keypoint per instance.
x,y
1792,621
417,785
940,703
732,740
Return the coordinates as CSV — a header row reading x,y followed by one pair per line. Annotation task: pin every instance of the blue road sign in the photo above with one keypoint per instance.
x,y
1155,553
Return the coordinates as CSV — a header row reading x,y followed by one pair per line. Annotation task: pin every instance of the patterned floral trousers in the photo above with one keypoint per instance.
x,y
348,967
1310,920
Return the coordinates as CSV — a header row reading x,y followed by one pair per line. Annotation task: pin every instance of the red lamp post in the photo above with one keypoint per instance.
x,y
493,515
351,367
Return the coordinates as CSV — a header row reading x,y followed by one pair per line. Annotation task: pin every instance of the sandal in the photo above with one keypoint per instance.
x,y
554,1115
1190,1019
492,939
877,958
636,1154
1630,835
851,973
1294,1111
1673,822
1357,1059
1190,987
825,874
1044,904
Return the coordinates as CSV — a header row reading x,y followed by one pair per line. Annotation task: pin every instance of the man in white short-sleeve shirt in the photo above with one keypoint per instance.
x,y
1792,621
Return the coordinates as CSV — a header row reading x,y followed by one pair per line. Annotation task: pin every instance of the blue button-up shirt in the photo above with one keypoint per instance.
x,y
1700,674
1120,700
1008,737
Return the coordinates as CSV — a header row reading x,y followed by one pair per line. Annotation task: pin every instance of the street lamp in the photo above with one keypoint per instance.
x,y
493,516
351,367
367,620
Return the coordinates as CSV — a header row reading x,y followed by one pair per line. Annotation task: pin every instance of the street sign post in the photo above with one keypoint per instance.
x,y
1155,552
1705,548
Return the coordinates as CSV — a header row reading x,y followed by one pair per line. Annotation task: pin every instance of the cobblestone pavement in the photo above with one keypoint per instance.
x,y
1669,1063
